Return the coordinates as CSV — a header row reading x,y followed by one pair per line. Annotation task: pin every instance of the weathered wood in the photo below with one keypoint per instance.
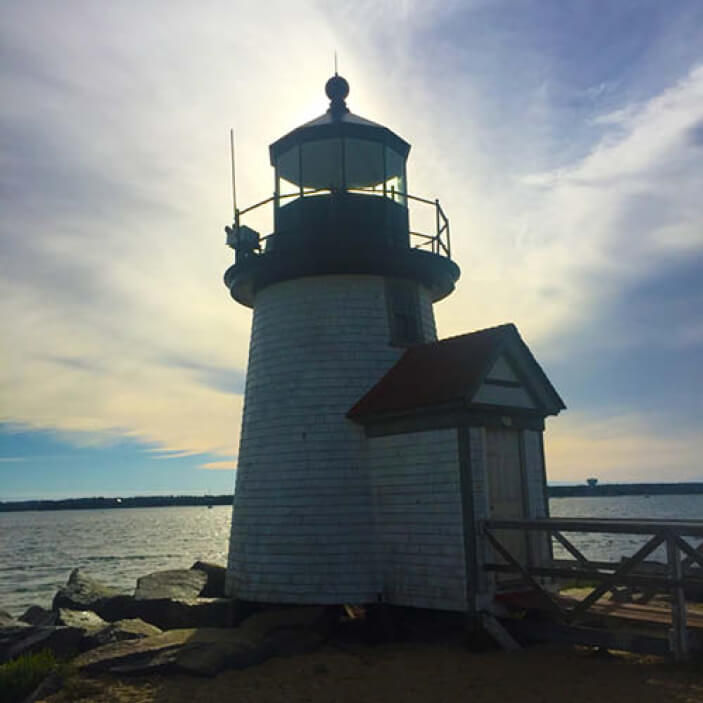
x,y
496,630
524,571
695,556
659,583
678,634
569,634
469,520
621,571
673,577
571,548
689,528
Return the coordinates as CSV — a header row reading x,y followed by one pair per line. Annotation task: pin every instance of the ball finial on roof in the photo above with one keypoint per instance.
x,y
337,90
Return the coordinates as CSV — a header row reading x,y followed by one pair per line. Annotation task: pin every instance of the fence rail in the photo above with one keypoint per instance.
x,y
681,558
438,243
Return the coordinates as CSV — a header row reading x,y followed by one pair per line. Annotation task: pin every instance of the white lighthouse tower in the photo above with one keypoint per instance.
x,y
370,452
338,293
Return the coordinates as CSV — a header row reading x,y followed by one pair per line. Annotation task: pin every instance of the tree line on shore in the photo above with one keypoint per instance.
x,y
101,503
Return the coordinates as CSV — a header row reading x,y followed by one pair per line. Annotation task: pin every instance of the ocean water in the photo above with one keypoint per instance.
x,y
38,550
607,547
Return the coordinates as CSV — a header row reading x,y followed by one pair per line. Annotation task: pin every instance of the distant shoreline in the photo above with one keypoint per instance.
x,y
99,503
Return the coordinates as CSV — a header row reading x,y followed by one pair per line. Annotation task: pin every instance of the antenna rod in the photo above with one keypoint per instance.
x,y
234,180
335,62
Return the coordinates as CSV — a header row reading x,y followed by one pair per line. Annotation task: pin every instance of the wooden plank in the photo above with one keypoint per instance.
x,y
569,634
626,567
496,630
679,635
655,615
659,583
571,549
528,577
695,556
614,526
466,478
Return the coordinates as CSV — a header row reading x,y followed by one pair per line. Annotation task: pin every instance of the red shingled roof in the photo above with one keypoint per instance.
x,y
442,372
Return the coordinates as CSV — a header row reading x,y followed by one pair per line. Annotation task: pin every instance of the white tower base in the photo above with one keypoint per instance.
x,y
302,524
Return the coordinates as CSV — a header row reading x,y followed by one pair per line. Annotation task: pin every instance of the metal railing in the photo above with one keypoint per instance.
x,y
438,243
671,579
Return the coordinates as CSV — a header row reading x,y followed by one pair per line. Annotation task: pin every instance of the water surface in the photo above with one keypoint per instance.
x,y
39,549
116,546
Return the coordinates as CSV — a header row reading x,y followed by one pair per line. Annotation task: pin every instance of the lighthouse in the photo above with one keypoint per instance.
x,y
365,447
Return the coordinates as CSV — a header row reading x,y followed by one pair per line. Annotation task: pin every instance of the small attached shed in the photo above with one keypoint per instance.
x,y
454,436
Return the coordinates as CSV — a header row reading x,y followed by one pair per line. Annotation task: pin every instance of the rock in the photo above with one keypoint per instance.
x,y
36,615
312,618
178,584
120,653
203,652
177,614
207,651
115,608
50,685
82,593
6,619
215,584
62,641
10,634
129,629
84,620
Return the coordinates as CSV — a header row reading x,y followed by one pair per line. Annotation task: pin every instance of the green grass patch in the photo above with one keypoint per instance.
x,y
19,677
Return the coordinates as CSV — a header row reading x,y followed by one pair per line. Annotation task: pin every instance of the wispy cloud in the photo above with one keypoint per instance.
x,y
621,448
219,465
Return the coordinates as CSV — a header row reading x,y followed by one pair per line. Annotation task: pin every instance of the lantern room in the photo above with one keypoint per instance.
x,y
340,206
340,152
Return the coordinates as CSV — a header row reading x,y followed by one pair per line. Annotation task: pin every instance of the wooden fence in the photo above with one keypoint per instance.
x,y
682,560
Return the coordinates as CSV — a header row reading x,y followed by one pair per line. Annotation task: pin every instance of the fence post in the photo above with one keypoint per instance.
x,y
678,635
435,244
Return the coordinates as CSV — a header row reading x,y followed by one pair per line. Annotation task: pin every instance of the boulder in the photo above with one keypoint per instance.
x,y
178,584
23,639
115,608
6,618
140,652
207,651
85,620
50,685
36,615
170,614
129,629
215,584
310,618
82,593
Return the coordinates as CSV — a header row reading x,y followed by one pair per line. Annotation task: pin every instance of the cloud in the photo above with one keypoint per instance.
x,y
219,465
620,449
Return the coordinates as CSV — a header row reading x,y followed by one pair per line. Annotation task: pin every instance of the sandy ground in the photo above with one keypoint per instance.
x,y
412,673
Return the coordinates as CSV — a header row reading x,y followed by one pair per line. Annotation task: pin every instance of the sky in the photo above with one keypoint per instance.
x,y
564,139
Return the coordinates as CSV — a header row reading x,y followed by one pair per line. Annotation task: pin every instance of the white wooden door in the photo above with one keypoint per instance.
x,y
507,491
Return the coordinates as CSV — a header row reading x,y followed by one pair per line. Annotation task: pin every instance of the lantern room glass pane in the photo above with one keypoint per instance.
x,y
288,172
363,163
288,165
322,164
395,176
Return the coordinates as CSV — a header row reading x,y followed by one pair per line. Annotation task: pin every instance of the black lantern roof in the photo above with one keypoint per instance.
x,y
338,121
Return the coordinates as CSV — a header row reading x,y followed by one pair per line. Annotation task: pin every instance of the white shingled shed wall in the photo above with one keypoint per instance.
x,y
302,524
418,516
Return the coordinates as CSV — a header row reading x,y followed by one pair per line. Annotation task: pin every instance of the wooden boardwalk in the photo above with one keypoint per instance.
x,y
644,624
